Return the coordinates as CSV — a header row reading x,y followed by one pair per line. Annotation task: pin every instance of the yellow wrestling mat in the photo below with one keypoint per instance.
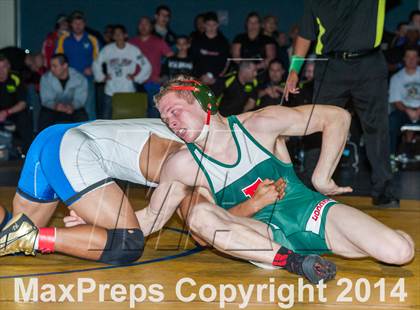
x,y
174,273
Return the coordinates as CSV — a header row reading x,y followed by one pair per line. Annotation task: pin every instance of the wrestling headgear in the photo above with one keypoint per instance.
x,y
205,98
204,95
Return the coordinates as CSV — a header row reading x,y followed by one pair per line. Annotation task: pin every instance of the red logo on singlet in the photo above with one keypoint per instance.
x,y
318,209
249,191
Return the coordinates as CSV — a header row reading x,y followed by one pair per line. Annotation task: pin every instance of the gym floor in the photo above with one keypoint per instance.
x,y
172,258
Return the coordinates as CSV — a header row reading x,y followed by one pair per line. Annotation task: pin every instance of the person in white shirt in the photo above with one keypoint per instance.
x,y
125,64
404,95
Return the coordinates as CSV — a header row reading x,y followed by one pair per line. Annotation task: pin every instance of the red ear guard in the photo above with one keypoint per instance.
x,y
184,87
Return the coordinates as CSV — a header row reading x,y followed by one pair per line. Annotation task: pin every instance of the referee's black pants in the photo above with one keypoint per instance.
x,y
365,82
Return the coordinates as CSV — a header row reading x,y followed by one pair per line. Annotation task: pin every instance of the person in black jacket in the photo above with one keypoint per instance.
x,y
210,51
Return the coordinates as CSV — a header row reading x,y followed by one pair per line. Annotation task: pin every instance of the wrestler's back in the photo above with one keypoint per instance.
x,y
118,144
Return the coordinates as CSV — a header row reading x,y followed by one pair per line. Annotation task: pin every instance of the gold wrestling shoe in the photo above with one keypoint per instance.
x,y
18,236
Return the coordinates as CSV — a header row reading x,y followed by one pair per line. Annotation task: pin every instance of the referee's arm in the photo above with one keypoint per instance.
x,y
307,33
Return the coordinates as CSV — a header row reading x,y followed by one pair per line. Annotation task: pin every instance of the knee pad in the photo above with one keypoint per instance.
x,y
7,217
123,246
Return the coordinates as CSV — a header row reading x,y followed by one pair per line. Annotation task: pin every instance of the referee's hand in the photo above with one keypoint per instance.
x,y
292,81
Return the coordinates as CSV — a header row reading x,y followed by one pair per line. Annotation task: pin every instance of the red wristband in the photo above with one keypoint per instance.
x,y
46,240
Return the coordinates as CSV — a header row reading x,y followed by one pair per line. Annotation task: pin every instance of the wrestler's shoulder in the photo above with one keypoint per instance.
x,y
181,157
257,119
180,166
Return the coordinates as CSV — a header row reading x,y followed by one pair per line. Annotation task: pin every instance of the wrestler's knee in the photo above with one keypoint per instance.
x,y
123,246
407,237
400,252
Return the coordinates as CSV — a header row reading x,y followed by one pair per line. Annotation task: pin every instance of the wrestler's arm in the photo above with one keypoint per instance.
x,y
333,122
267,193
166,198
171,191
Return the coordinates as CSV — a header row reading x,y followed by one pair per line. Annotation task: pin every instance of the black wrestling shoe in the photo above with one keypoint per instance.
x,y
314,268
383,202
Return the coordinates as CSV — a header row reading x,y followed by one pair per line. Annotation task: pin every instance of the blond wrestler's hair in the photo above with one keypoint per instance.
x,y
179,80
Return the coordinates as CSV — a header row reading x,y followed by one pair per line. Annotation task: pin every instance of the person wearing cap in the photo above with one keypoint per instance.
x,y
81,49
50,43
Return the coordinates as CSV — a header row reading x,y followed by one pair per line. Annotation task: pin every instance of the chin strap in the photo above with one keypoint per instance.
x,y
205,130
203,133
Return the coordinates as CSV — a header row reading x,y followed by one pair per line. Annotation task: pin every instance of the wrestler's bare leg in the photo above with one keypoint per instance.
x,y
352,233
2,213
104,208
4,217
241,237
40,213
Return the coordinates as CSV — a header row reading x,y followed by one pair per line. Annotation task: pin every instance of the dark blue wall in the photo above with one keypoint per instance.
x,y
38,16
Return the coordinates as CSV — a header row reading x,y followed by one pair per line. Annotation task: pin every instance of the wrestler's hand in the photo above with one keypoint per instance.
x,y
268,192
330,188
291,83
73,220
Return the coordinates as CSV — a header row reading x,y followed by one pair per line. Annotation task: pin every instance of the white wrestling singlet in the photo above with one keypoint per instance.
x,y
108,149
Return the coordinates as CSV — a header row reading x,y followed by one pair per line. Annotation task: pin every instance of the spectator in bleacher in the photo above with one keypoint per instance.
x,y
400,35
282,49
306,86
415,19
161,25
269,26
404,95
125,65
108,34
16,57
199,26
253,44
35,69
50,43
395,56
238,93
154,48
293,34
13,107
271,91
64,93
270,29
181,63
81,49
31,77
210,51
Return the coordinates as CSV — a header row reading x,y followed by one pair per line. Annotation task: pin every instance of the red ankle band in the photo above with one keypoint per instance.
x,y
281,257
46,240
